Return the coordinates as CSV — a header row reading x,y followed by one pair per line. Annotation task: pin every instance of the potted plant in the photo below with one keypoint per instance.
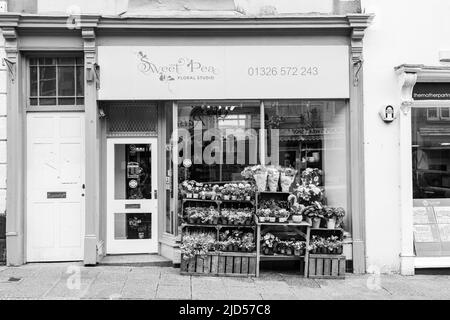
x,y
333,215
296,213
272,218
299,248
269,242
282,215
187,188
263,214
210,216
226,192
313,215
197,189
287,177
196,244
311,176
289,248
248,242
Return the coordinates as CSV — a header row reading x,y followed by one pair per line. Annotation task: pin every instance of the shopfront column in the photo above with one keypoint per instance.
x,y
92,178
408,80
15,166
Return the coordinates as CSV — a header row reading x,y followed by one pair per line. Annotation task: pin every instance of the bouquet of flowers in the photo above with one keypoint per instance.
x,y
287,178
308,194
273,177
258,174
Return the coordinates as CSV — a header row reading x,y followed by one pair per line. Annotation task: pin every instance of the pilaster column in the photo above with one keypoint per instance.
x,y
358,23
15,147
407,81
92,192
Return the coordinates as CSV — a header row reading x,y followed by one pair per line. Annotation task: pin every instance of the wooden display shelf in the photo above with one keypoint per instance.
x,y
220,226
184,200
280,257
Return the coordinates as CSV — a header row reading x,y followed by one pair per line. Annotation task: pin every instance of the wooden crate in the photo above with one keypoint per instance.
x,y
224,264
326,266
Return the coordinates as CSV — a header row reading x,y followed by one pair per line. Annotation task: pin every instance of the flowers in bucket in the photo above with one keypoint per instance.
x,y
197,244
287,177
311,176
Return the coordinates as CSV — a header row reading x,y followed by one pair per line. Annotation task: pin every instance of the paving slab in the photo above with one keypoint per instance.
x,y
173,292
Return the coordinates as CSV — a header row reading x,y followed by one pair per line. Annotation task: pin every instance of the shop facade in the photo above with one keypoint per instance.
x,y
93,113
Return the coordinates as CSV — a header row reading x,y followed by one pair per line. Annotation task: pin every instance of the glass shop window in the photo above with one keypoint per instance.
x,y
431,180
311,135
56,81
217,140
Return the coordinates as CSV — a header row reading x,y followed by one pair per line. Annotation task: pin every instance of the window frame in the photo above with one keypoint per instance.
x,y
50,108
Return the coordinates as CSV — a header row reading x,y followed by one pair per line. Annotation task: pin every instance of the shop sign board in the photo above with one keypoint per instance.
x,y
223,72
431,91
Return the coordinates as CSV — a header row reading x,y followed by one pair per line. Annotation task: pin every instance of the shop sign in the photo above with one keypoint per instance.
x,y
224,72
431,91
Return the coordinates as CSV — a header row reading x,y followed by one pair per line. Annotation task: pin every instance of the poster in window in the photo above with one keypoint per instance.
x,y
442,215
424,233
444,231
423,215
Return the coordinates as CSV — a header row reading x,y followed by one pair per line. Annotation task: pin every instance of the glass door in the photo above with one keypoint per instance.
x,y
132,209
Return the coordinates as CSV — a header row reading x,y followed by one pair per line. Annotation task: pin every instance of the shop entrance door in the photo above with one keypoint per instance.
x,y
132,210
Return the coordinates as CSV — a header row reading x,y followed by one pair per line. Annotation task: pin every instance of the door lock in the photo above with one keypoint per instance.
x,y
156,194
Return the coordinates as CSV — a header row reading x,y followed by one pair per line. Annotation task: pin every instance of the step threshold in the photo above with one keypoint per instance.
x,y
136,260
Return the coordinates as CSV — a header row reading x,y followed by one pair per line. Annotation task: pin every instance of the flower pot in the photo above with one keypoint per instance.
x,y
195,195
302,252
272,219
236,222
268,251
308,220
282,251
297,219
215,220
331,223
289,252
226,197
282,220
234,198
189,195
248,198
340,250
192,220
316,223
262,219
261,181
235,248
323,250
297,253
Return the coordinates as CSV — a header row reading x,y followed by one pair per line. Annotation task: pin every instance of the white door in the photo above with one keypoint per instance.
x,y
132,210
55,182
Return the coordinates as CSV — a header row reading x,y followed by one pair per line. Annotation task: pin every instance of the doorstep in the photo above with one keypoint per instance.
x,y
136,260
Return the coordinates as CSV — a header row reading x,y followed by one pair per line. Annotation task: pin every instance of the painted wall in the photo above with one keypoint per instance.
x,y
247,7
2,128
404,31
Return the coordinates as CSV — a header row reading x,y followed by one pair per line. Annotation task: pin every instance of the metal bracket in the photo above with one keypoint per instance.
x,y
358,63
11,65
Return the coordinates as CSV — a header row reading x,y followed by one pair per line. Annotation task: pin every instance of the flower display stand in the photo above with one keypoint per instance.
x,y
224,264
326,266
302,229
219,263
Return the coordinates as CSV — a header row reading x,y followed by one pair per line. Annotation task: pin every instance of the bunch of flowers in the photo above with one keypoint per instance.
x,y
187,188
299,248
197,244
334,216
330,245
311,176
308,194
287,178
202,215
273,177
240,216
236,241
249,191
269,241
258,174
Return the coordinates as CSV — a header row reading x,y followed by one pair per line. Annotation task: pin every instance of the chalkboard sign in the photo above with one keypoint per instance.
x,y
431,91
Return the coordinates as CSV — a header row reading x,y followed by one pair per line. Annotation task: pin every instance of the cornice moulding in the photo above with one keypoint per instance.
x,y
426,73
154,22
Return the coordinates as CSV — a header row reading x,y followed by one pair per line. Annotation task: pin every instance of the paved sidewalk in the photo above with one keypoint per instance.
x,y
73,281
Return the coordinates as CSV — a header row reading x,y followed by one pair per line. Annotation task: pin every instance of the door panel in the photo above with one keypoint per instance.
x,y
131,196
55,175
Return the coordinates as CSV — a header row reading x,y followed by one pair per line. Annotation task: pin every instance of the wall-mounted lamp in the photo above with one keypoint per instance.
x,y
388,114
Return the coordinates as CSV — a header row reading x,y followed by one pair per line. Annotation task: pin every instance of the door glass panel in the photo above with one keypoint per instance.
x,y
129,226
132,171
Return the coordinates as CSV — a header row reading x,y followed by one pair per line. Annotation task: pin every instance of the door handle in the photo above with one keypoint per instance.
x,y
156,194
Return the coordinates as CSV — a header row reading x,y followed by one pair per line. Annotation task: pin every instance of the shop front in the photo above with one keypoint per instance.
x,y
117,122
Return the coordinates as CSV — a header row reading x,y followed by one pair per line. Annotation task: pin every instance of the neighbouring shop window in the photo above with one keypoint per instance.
x,y
311,134
56,81
431,180
132,226
170,217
